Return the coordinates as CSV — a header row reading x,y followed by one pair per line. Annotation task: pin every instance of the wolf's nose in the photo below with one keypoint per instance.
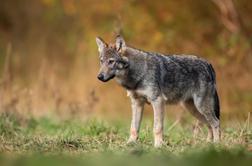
x,y
100,77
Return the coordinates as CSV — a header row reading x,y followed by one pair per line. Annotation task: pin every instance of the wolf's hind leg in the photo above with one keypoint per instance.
x,y
206,108
137,105
189,105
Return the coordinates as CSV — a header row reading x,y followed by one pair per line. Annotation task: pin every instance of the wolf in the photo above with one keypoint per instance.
x,y
158,80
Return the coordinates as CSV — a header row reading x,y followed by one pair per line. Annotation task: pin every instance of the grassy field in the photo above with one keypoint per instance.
x,y
45,141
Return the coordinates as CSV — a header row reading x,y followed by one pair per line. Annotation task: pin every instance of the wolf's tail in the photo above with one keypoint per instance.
x,y
216,105
212,73
216,97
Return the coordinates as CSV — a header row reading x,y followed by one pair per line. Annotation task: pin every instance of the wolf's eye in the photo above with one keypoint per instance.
x,y
111,61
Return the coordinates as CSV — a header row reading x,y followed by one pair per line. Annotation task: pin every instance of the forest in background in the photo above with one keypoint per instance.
x,y
49,58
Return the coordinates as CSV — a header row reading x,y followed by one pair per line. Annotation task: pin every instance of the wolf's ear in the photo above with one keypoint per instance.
x,y
120,44
101,44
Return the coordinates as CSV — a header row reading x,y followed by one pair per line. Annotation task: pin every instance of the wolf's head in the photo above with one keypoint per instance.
x,y
112,61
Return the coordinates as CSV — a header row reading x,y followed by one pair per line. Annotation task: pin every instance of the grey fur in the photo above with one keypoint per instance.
x,y
160,79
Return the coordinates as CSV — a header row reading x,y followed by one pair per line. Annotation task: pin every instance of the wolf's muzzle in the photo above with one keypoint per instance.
x,y
102,78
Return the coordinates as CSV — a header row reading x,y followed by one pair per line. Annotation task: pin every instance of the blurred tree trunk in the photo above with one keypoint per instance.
x,y
5,81
231,20
229,16
7,75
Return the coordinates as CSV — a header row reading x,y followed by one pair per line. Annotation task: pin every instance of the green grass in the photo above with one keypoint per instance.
x,y
46,141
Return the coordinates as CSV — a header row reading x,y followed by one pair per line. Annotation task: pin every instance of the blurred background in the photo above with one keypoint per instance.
x,y
49,58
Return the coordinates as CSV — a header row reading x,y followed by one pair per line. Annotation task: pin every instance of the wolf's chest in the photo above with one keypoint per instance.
x,y
148,93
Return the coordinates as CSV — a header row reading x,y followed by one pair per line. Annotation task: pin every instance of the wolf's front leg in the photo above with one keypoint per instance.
x,y
137,105
158,108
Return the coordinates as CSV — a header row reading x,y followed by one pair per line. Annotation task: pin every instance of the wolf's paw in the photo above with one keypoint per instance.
x,y
131,141
209,139
158,144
